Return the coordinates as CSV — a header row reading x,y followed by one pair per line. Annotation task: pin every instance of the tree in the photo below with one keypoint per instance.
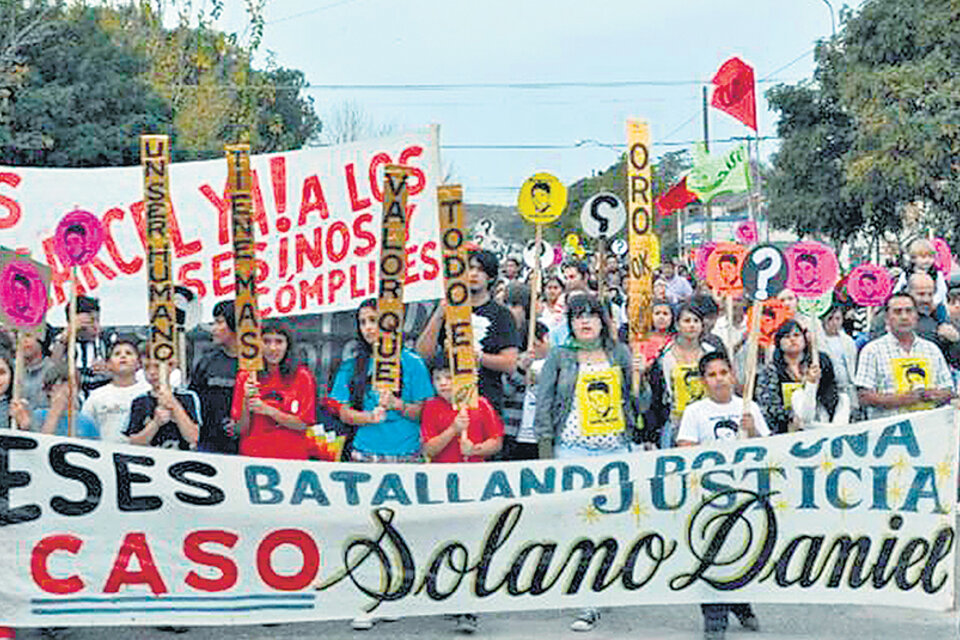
x,y
877,131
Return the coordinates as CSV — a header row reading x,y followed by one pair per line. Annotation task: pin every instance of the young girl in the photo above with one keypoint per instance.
x,y
387,426
553,309
674,377
274,407
922,258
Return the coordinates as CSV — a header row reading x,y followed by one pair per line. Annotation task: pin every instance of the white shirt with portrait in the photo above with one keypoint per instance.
x,y
706,420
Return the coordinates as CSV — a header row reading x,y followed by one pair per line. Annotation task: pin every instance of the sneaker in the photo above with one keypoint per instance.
x,y
750,623
169,629
715,634
467,623
363,622
388,619
586,620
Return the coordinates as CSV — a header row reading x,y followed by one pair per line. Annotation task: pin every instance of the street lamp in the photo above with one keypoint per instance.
x,y
833,19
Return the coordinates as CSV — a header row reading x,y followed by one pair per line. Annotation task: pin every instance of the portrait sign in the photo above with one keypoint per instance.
x,y
598,393
701,257
78,238
773,313
724,266
913,374
813,269
869,285
23,291
746,232
542,199
944,258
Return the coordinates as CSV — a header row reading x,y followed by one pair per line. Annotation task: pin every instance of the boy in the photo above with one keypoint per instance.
x,y
449,435
163,418
109,406
54,420
720,416
212,381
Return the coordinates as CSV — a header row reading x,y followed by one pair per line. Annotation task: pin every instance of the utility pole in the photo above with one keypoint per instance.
x,y
706,145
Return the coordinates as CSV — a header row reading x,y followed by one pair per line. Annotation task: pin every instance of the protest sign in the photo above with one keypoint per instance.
x,y
869,285
644,244
547,257
724,263
812,269
249,344
701,257
316,213
773,313
162,314
603,215
458,318
944,259
78,238
764,272
117,535
746,232
24,285
393,274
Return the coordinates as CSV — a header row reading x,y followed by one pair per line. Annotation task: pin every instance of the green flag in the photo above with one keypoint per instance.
x,y
713,175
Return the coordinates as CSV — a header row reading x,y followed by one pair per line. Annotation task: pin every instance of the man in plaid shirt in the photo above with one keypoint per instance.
x,y
899,371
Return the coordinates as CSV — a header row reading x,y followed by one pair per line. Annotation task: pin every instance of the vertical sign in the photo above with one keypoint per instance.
x,y
644,248
244,258
393,273
456,291
155,160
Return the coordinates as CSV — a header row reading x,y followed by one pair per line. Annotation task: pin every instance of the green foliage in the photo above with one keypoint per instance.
x,y
879,129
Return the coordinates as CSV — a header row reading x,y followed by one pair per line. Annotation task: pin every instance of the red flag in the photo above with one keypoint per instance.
x,y
677,197
734,91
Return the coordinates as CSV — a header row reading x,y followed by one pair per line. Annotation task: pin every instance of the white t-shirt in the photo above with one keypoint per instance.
x,y
109,408
707,420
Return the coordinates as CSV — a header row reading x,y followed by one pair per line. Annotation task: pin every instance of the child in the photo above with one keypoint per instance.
x,y
109,406
720,416
449,435
161,417
54,420
922,259
442,426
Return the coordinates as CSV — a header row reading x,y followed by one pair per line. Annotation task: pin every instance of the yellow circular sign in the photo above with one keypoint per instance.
x,y
542,198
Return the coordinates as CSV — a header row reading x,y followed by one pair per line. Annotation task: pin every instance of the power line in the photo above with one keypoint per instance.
x,y
581,145
309,12
569,84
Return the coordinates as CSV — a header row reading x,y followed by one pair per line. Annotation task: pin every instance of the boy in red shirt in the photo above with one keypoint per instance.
x,y
451,435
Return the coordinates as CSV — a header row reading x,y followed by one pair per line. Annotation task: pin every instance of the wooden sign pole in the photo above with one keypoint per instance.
x,y
643,243
393,274
750,368
535,280
72,376
456,287
155,160
250,350
602,271
19,366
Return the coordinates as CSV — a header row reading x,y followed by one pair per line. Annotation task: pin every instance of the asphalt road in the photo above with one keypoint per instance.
x,y
793,622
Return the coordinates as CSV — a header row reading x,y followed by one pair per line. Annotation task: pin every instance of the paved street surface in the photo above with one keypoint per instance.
x,y
794,622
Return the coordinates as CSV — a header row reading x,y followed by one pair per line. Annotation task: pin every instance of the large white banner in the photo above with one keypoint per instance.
x,y
95,534
317,220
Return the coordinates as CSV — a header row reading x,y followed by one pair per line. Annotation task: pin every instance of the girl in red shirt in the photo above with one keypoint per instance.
x,y
274,407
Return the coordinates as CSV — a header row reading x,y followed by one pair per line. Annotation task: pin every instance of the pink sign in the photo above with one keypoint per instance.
x,y
813,269
78,238
703,255
746,232
23,292
944,259
869,285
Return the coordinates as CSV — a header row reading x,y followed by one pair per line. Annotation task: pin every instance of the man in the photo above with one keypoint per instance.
x,y
806,265
213,380
883,386
932,322
540,195
721,415
678,287
711,313
729,269
869,285
495,337
575,274
92,346
511,270
35,367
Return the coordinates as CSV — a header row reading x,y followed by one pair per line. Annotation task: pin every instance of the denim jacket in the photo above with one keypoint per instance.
x,y
556,389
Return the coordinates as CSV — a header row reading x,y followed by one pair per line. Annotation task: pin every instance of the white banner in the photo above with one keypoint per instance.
x,y
94,534
317,221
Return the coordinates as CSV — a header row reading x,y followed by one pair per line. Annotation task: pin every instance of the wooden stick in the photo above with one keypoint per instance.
x,y
19,367
814,331
602,252
72,374
731,334
750,368
534,289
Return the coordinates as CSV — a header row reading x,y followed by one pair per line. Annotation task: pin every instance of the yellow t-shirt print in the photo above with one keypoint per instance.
x,y
599,400
788,389
910,374
687,387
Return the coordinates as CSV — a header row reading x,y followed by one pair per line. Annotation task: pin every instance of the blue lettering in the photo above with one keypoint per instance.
x,y
308,488
253,474
391,488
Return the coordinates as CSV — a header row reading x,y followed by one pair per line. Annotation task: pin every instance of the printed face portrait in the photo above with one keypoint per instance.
x,y
540,194
768,321
729,271
691,379
21,293
725,430
916,378
806,266
75,239
598,394
868,285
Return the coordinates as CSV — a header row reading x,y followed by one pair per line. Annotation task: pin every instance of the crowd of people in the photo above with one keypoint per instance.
x,y
567,388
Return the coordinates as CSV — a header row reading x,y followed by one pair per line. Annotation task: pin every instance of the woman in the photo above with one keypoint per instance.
x,y
584,406
520,442
842,350
674,377
388,428
273,407
792,390
660,290
553,310
6,387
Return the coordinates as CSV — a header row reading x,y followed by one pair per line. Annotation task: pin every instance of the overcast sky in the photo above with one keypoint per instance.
x,y
449,42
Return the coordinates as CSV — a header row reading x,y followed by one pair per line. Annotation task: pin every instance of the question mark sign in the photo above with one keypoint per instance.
x,y
768,262
603,199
